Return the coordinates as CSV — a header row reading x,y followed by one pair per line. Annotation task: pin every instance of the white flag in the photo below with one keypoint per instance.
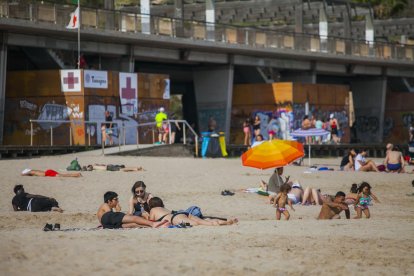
x,y
74,20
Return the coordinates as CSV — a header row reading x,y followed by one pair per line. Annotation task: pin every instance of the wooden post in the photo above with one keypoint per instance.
x,y
196,146
51,135
31,133
70,136
184,136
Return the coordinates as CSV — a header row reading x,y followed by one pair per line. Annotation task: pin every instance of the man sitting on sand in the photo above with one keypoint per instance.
x,y
23,201
158,213
49,173
394,161
331,210
116,219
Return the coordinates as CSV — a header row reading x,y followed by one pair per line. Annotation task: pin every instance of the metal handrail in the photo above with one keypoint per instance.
x,y
124,21
122,132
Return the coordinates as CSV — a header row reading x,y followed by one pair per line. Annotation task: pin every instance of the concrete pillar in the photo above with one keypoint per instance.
x,y
109,22
145,17
369,103
299,17
213,93
3,74
323,29
210,19
127,63
369,34
179,14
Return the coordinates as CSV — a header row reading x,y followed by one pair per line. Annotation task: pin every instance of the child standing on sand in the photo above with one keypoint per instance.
x,y
281,200
364,200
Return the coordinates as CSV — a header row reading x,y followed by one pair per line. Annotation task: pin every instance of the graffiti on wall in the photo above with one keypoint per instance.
x,y
52,112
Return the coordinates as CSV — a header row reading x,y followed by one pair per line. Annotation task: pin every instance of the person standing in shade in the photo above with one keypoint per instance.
x,y
212,124
107,129
159,120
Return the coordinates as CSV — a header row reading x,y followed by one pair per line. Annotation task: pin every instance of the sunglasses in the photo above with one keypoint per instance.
x,y
139,192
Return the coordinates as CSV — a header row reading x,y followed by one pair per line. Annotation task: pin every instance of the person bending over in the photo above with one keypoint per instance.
x,y
110,216
158,213
331,210
23,201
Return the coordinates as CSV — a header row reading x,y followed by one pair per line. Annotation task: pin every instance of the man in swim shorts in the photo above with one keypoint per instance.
x,y
49,173
23,201
110,216
394,161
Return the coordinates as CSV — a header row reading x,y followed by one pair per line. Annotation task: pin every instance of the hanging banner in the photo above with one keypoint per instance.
x,y
70,80
95,79
128,93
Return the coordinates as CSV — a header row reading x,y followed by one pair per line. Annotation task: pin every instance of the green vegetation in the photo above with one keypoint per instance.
x,y
386,8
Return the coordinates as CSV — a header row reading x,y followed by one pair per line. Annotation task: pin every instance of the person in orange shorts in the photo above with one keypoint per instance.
x,y
49,173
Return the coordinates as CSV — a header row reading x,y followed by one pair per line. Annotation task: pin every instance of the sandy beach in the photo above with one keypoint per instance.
x,y
258,244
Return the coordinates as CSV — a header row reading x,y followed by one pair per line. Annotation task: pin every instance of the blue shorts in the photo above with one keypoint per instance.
x,y
394,167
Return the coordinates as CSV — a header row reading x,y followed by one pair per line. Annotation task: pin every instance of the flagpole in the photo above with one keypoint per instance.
x,y
79,34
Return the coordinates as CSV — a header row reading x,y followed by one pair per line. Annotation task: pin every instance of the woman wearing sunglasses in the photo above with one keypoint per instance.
x,y
138,203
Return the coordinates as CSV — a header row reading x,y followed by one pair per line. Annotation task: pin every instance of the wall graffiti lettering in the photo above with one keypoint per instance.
x,y
367,124
407,119
388,126
24,104
52,112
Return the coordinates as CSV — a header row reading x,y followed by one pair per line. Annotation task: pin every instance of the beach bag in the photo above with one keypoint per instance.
x,y
381,168
74,166
195,211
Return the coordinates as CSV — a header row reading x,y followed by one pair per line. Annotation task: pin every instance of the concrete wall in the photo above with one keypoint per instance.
x,y
213,92
369,102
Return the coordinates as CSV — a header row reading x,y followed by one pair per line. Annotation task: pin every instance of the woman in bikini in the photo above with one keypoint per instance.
x,y
247,132
138,203
256,126
159,213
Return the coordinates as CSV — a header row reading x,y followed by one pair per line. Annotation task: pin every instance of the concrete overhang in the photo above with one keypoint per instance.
x,y
366,70
40,34
271,62
330,68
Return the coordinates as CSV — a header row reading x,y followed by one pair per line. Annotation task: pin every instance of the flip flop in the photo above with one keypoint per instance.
x,y
227,193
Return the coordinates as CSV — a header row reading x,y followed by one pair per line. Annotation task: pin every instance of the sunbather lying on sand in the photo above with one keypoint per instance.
x,y
116,219
159,213
49,173
103,167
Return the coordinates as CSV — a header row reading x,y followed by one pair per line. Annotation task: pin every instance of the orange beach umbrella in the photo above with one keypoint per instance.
x,y
272,154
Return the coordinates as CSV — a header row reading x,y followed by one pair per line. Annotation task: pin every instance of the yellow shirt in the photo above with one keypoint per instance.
x,y
161,116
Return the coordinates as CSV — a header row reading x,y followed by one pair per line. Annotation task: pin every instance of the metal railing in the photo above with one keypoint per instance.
x,y
129,22
120,127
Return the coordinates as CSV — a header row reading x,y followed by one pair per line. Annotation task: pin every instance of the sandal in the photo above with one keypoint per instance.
x,y
227,193
48,227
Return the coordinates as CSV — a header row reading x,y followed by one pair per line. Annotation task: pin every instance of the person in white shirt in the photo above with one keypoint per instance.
x,y
363,165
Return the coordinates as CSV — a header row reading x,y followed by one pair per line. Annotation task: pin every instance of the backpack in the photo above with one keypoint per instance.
x,y
74,166
195,211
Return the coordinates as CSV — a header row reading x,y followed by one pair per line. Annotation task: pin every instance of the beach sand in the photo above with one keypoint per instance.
x,y
258,244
